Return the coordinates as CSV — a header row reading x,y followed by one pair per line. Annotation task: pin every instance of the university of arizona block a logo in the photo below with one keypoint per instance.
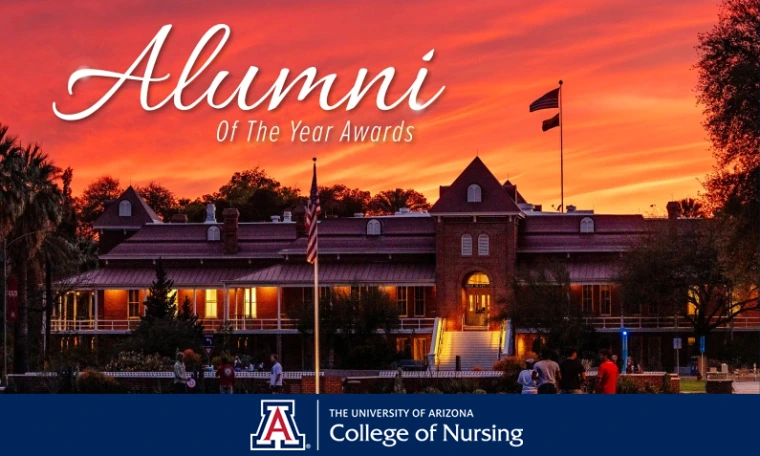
x,y
278,429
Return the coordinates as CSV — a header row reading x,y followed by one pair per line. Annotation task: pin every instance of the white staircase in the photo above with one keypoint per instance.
x,y
475,348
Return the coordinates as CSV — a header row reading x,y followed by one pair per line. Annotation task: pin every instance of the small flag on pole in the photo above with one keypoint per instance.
x,y
548,101
312,213
550,123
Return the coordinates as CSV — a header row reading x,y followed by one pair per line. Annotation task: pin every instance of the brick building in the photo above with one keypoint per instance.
x,y
448,271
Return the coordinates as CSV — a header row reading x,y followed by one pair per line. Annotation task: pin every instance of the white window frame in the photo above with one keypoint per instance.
x,y
466,245
374,228
211,296
474,194
416,300
402,297
587,296
213,234
587,225
125,208
131,302
484,246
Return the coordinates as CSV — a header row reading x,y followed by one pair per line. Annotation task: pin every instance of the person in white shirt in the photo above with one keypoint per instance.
x,y
526,378
275,379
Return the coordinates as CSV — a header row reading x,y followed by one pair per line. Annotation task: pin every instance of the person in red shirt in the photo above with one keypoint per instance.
x,y
226,374
606,382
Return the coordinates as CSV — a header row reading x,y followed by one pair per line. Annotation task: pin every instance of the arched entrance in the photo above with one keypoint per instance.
x,y
477,300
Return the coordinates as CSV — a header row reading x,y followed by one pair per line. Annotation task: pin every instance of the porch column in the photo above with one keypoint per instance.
x,y
279,308
76,304
226,312
95,301
195,302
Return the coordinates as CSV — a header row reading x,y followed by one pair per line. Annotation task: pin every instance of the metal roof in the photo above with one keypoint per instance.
x,y
342,274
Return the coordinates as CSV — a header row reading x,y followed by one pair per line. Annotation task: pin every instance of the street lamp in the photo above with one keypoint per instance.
x,y
5,300
625,351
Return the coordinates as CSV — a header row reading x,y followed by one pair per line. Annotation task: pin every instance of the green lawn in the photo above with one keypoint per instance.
x,y
692,386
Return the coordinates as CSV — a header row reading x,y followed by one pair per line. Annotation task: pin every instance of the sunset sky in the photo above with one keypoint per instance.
x,y
632,132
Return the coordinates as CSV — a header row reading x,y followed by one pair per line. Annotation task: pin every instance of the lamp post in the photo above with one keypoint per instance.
x,y
6,244
625,351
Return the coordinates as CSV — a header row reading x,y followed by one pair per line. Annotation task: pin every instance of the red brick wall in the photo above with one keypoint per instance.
x,y
452,269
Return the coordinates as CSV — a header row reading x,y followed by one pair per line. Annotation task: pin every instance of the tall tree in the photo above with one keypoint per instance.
x,y
691,208
93,199
542,304
159,198
162,299
341,201
389,202
687,273
728,86
11,181
37,221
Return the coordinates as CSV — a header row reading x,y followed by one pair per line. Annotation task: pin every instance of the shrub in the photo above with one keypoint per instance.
x,y
477,369
431,390
627,385
479,391
137,362
667,386
94,382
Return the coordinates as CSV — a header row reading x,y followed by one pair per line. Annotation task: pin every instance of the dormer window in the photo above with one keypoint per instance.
x,y
473,193
587,225
213,234
374,228
466,245
125,209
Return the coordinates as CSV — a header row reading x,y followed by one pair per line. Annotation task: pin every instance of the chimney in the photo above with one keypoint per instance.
x,y
511,190
275,218
538,207
211,213
570,208
179,218
230,230
674,210
287,217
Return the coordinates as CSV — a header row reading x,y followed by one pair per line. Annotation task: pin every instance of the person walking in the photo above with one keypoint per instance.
x,y
226,374
573,374
526,378
180,376
275,379
606,383
546,373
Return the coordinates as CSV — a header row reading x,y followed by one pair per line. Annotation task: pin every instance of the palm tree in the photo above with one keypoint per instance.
x,y
691,208
39,217
11,181
389,202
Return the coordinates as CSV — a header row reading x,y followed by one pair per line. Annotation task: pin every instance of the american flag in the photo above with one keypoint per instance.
x,y
548,101
312,213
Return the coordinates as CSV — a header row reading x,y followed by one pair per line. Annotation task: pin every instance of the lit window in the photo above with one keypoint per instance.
x,y
250,303
587,299
211,304
373,228
420,348
401,299
133,303
473,193
125,209
483,245
587,225
466,245
605,300
477,280
213,234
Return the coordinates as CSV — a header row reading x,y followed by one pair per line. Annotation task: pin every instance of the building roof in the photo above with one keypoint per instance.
x,y
570,243
342,274
114,277
494,198
141,213
367,245
390,226
570,223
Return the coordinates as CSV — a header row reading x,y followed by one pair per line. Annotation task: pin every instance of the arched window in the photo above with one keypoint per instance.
x,y
483,246
473,193
587,225
125,209
477,279
374,228
213,234
466,245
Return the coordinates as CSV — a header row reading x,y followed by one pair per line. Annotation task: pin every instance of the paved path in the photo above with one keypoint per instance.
x,y
746,387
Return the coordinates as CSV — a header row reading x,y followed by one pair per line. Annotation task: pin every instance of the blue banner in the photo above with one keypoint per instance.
x,y
375,424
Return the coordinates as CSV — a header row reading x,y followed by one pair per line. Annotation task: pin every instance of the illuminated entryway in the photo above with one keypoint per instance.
x,y
477,300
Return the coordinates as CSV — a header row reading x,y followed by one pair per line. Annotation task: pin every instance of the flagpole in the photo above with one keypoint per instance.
x,y
316,294
561,153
